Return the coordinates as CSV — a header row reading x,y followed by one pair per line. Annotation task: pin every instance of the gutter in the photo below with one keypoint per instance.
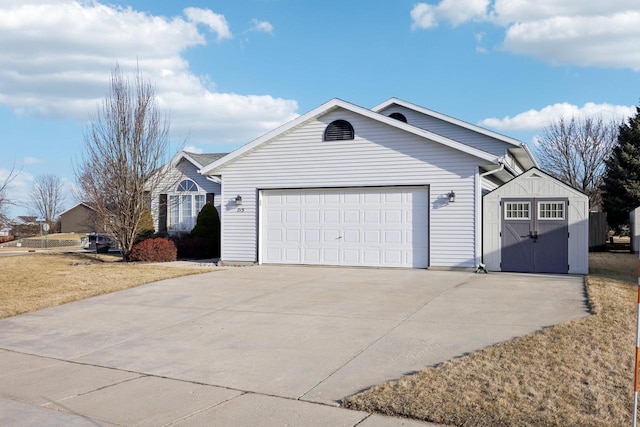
x,y
500,169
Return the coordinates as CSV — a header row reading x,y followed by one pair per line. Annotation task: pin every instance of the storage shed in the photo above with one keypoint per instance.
x,y
536,224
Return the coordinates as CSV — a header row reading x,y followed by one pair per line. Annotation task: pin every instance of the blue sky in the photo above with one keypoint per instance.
x,y
227,72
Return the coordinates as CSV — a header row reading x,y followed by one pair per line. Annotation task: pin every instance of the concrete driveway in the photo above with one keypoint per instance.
x,y
260,345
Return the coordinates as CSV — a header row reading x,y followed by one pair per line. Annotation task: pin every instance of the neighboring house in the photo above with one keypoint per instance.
x,y
183,192
79,218
395,186
25,226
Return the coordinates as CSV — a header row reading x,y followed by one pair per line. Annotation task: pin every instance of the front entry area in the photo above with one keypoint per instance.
x,y
363,226
534,235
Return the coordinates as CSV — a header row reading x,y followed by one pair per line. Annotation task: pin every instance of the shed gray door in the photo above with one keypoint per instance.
x,y
535,235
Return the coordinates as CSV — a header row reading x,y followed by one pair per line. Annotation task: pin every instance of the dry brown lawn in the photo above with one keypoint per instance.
x,y
39,280
579,373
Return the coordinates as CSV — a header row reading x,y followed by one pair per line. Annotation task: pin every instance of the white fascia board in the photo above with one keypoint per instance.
x,y
213,178
338,103
449,119
530,154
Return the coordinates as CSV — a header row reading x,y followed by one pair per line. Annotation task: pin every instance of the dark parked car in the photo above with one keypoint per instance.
x,y
98,242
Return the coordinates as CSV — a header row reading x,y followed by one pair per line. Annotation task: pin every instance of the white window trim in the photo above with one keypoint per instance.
x,y
564,211
527,218
184,225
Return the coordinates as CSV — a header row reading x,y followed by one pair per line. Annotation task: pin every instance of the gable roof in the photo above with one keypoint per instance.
x,y
519,149
75,206
539,173
338,103
200,160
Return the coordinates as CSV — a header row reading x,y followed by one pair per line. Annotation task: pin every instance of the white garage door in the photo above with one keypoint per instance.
x,y
381,227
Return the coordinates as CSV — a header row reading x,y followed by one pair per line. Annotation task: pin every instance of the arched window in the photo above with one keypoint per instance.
x,y
339,130
398,116
187,185
184,205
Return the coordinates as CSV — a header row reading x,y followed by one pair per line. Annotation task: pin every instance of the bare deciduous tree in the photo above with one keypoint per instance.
x,y
125,149
47,197
575,150
5,201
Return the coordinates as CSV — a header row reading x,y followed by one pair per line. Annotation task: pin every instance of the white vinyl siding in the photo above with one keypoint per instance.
x,y
378,156
449,130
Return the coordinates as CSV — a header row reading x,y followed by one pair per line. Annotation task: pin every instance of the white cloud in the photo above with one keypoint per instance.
x,y
31,161
534,120
216,23
604,34
425,15
55,60
18,190
193,149
261,26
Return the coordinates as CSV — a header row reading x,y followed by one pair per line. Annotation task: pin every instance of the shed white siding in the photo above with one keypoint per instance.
x,y
534,184
380,155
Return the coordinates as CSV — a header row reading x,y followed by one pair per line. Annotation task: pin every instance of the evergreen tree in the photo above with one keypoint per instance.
x,y
146,226
621,187
208,229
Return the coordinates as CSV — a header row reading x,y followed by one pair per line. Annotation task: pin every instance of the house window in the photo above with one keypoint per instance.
x,y
339,130
398,116
184,206
516,210
551,210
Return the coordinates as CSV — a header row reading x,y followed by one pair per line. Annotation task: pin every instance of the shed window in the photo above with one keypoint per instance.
x,y
516,210
551,210
339,130
398,116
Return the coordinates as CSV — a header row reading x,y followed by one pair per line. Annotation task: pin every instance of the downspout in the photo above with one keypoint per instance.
x,y
480,268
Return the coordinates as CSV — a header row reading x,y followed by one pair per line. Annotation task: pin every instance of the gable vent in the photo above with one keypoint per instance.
x,y
398,116
339,130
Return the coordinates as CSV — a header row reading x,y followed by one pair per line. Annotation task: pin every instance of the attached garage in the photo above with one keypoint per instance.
x,y
394,186
536,224
364,226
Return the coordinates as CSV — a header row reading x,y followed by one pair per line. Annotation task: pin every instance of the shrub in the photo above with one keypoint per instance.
x,y
145,228
193,247
207,232
154,250
5,239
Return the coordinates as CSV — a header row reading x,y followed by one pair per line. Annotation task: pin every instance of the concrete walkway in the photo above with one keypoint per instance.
x,y
259,345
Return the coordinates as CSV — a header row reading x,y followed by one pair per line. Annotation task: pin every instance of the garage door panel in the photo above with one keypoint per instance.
x,y
355,226
312,217
312,236
371,257
331,216
274,217
393,236
351,217
330,256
